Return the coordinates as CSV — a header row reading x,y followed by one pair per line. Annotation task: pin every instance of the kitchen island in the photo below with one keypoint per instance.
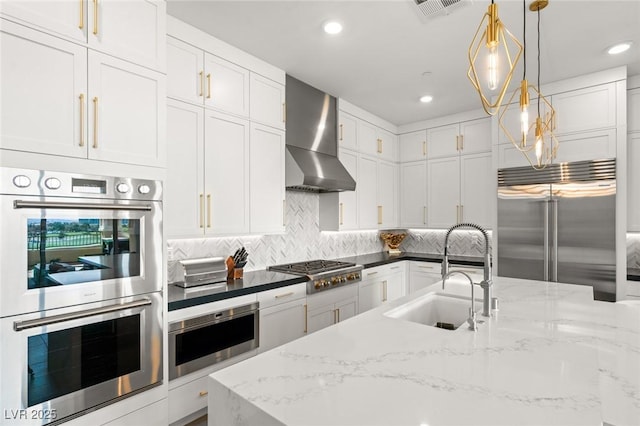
x,y
550,355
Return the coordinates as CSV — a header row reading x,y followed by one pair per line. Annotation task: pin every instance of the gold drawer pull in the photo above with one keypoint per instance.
x,y
203,393
95,17
284,295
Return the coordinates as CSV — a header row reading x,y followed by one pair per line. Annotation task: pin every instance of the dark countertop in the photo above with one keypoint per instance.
x,y
262,280
252,282
633,274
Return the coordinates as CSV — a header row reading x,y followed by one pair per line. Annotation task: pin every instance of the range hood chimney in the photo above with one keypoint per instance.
x,y
311,162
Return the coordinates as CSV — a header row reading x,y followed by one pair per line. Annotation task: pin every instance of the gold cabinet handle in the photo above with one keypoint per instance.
x,y
208,210
341,126
201,74
384,290
424,148
81,97
457,213
379,215
95,17
424,215
208,86
338,311
461,142
426,267
371,273
379,146
81,25
284,112
201,210
203,393
280,296
306,319
461,212
341,213
95,122
457,142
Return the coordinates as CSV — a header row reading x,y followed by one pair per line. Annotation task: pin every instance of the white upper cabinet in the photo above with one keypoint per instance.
x,y
367,189
127,109
267,101
443,192
348,200
388,145
267,185
477,189
368,140
347,131
225,86
196,76
443,141
590,108
133,30
413,146
185,63
413,194
387,194
633,110
40,111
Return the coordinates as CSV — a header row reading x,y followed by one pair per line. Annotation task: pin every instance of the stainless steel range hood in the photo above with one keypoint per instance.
x,y
311,162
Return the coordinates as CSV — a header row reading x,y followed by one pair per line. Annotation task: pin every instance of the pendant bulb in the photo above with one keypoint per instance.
x,y
524,111
539,145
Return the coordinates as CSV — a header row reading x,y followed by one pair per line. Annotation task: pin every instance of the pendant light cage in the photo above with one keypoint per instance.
x,y
535,140
507,48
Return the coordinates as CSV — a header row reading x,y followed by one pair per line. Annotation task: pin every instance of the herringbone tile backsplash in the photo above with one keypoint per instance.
x,y
303,240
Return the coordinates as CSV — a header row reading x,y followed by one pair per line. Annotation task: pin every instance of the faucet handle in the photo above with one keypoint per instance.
x,y
473,325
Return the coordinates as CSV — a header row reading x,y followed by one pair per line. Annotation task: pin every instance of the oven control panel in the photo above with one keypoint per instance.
x,y
334,279
60,184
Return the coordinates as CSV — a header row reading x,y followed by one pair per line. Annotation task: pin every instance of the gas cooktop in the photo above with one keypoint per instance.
x,y
323,274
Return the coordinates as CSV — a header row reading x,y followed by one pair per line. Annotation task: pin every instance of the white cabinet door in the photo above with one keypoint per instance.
x,y
226,86
267,187
348,131
443,189
443,141
388,145
367,192
187,399
127,105
413,146
423,274
320,318
633,110
394,285
43,100
475,136
585,109
185,173
477,189
346,309
65,18
267,101
633,182
185,63
586,146
348,207
156,413
281,324
387,184
226,149
134,30
368,140
413,194
370,294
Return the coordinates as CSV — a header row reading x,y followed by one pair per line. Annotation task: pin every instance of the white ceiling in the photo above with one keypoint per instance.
x,y
378,61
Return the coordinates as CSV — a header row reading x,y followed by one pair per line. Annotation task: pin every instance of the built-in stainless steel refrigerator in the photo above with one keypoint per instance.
x,y
558,224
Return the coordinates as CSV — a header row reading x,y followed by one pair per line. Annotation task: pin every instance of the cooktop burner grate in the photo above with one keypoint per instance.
x,y
311,267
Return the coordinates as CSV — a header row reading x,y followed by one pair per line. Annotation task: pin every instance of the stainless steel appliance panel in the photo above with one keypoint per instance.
x,y
72,360
205,340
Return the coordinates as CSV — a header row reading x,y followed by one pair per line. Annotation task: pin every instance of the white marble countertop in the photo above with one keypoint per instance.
x,y
550,356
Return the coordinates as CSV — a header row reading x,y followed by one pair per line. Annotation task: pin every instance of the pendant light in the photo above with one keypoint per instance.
x,y
493,55
540,151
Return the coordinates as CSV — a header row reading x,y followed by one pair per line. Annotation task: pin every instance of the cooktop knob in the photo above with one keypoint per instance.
x,y
21,181
144,189
53,183
122,188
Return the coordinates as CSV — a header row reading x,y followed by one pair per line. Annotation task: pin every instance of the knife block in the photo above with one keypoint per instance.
x,y
233,273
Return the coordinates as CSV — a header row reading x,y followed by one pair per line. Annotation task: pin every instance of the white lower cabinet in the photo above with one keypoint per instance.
x,y
282,316
423,274
330,307
152,414
381,284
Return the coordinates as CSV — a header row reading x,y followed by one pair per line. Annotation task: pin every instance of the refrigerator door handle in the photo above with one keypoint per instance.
x,y
554,236
545,255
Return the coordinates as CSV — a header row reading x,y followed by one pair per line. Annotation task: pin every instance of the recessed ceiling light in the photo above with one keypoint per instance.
x,y
619,48
332,27
426,99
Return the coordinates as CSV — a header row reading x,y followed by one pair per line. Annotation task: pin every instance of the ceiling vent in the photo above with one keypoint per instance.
x,y
430,8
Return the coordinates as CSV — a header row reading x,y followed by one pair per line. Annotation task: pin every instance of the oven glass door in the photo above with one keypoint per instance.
x,y
81,359
62,256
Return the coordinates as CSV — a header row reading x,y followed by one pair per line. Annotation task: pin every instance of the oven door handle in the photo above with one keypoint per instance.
x,y
20,204
39,322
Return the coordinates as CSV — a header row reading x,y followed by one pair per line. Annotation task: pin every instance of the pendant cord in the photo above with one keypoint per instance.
x,y
539,60
524,39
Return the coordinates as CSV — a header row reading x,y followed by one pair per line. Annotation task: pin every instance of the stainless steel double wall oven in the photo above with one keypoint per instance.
x,y
80,292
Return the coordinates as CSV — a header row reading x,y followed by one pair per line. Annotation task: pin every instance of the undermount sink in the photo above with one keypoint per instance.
x,y
435,309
